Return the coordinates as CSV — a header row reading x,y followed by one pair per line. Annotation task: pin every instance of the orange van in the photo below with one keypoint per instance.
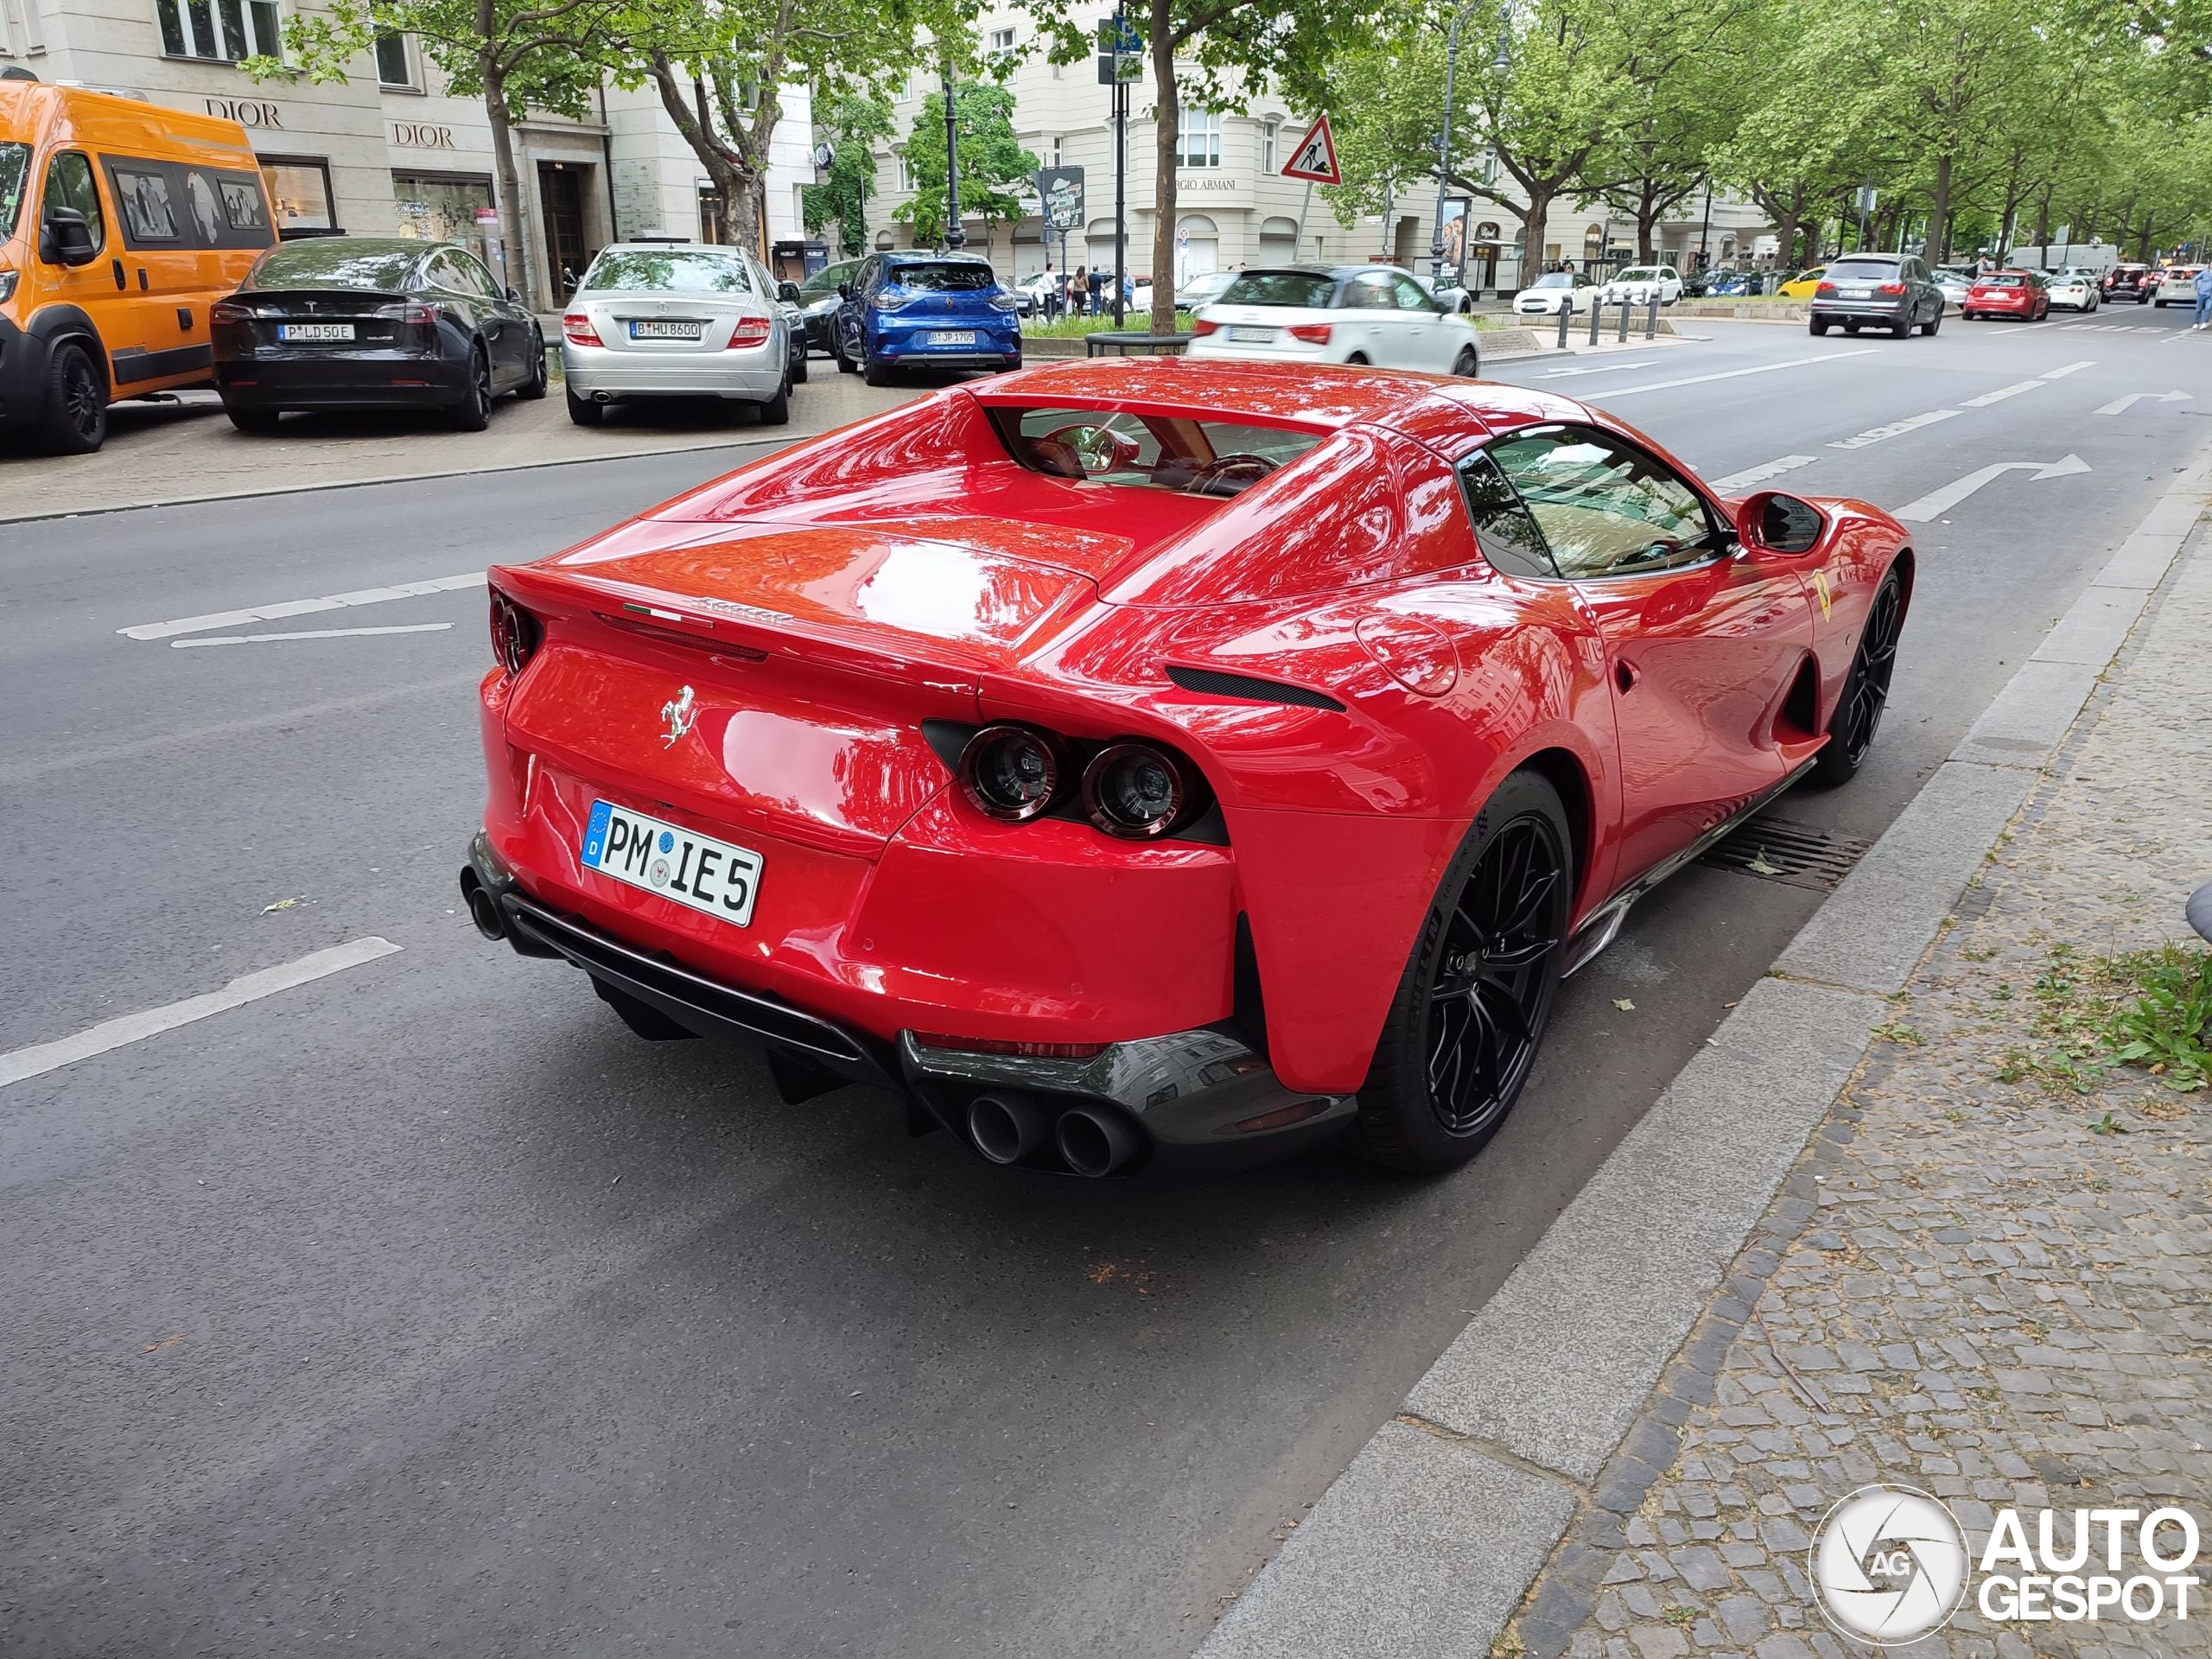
x,y
121,223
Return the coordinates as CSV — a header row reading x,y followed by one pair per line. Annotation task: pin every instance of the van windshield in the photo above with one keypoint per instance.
x,y
14,169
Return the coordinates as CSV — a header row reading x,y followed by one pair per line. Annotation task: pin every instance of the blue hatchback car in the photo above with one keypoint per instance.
x,y
925,310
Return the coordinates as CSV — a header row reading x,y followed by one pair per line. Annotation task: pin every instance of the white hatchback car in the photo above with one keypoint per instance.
x,y
1345,314
1635,285
662,320
1553,292
2176,286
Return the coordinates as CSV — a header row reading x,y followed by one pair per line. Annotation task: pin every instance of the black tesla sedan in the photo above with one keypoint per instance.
x,y
372,322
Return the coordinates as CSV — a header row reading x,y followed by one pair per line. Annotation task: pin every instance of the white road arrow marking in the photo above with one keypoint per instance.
x,y
307,633
2120,405
1942,501
1736,482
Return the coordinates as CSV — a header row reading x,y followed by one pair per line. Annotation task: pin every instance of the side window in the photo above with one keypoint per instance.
x,y
482,279
1410,296
1507,535
1605,509
69,184
1368,293
444,273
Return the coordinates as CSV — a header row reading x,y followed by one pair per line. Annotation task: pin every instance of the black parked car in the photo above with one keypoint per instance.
x,y
2136,282
819,300
1877,291
372,322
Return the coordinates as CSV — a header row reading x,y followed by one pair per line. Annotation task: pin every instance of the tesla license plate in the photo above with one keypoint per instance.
x,y
315,331
953,337
666,329
692,869
1252,336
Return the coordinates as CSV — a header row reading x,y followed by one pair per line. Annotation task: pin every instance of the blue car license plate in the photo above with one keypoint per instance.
x,y
953,337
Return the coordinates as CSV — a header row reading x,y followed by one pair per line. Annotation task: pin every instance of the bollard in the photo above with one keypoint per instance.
x,y
1651,318
1597,310
1620,333
1565,314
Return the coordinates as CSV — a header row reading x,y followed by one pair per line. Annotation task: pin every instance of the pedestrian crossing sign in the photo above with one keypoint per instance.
x,y
1314,156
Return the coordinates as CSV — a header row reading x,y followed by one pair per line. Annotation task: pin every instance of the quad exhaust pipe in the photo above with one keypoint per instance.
x,y
1009,1128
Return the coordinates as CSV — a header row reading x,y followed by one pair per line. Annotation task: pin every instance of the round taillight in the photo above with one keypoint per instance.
x,y
514,634
1011,771
1137,792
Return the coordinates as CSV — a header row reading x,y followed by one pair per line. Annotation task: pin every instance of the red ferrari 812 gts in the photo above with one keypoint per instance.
x,y
1146,765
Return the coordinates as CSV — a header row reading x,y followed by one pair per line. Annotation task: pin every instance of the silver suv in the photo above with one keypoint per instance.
x,y
1877,291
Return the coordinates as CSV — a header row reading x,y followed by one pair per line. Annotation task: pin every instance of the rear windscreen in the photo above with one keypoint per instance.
x,y
666,271
333,263
1862,271
1306,289
2003,279
950,278
1192,456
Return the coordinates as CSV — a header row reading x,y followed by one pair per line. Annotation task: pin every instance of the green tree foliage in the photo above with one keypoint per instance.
x,y
852,124
992,160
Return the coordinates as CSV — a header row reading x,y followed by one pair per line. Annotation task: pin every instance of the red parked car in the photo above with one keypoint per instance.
x,y
1150,763
2022,293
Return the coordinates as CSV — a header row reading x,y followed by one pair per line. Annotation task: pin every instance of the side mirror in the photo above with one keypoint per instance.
x,y
514,297
65,238
844,290
789,293
1771,522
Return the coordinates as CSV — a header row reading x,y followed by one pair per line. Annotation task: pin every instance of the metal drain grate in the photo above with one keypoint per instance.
x,y
1775,849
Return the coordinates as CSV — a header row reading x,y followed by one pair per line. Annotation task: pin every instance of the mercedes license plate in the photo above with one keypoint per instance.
x,y
666,328
315,331
709,875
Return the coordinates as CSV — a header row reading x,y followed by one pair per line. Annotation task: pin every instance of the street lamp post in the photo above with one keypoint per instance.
x,y
954,236
1501,63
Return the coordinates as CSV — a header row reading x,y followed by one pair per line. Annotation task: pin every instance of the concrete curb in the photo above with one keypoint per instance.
x,y
1561,1399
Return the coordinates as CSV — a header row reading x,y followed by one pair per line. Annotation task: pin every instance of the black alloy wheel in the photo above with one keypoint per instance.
x,y
1467,366
76,420
474,412
1859,711
535,384
1463,1029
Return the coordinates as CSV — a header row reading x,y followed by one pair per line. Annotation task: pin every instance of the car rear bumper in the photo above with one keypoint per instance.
x,y
371,380
1200,1101
1861,311
750,373
1282,349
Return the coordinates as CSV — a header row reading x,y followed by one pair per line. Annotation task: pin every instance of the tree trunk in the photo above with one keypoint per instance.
x,y
1647,211
522,272
741,213
1532,231
1167,141
1937,244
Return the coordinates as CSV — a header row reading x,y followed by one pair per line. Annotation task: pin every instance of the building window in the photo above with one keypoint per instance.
x,y
224,30
904,94
1001,43
1198,134
393,69
21,33
299,187
1268,134
1058,144
905,171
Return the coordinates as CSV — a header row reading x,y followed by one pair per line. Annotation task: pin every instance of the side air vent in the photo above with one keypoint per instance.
x,y
1213,683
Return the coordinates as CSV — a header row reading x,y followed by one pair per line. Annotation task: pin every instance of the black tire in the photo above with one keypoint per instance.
x,y
1866,693
584,412
1900,330
1467,365
474,412
1851,328
776,411
1932,324
875,373
798,368
1817,326
1011,366
535,384
845,365
75,418
1460,1039
1358,358
259,422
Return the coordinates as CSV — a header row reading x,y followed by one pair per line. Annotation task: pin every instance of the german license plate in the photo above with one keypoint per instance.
x,y
315,331
709,875
1854,290
953,337
1252,336
666,328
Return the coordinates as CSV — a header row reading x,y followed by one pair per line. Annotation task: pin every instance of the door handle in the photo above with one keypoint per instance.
x,y
1626,674
119,280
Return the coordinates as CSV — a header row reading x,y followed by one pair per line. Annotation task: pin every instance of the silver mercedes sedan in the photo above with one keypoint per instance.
x,y
676,320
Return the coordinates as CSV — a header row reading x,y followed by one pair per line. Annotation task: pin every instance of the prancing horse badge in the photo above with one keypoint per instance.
x,y
679,714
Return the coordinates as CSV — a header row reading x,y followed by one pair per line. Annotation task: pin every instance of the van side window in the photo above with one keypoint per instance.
x,y
69,184
149,211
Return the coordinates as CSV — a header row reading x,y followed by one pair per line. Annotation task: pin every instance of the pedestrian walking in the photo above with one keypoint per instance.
x,y
1097,291
2204,297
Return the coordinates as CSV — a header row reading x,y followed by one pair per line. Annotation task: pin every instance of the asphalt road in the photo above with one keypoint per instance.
x,y
422,1305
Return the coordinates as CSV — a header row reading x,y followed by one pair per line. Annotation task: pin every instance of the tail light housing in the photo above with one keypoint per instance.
x,y
221,311
1314,333
576,329
1200,326
1006,302
1011,772
750,330
1826,290
1139,791
516,634
1891,288
1132,789
413,312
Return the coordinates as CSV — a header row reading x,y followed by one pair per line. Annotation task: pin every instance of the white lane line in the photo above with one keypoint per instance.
x,y
1876,434
1735,374
136,1028
308,633
2071,368
1599,368
1759,474
302,607
2001,394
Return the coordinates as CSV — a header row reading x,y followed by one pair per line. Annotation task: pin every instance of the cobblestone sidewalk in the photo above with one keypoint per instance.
x,y
1980,1281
